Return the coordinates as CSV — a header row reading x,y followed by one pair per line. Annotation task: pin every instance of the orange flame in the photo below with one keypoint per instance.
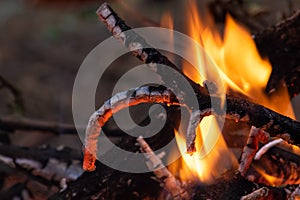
x,y
212,158
240,68
238,63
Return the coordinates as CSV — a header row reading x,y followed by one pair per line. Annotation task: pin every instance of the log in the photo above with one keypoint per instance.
x,y
281,45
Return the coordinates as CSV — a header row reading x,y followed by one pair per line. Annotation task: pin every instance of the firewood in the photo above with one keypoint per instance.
x,y
257,115
121,100
256,136
280,44
237,108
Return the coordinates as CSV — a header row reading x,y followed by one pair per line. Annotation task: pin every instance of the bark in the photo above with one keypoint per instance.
x,y
281,44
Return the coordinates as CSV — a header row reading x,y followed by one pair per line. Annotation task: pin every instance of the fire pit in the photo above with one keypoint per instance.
x,y
255,156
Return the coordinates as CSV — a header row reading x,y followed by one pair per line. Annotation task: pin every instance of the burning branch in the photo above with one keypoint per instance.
x,y
121,100
256,136
282,157
240,109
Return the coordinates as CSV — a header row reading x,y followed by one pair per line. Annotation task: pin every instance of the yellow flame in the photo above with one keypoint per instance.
x,y
212,158
240,68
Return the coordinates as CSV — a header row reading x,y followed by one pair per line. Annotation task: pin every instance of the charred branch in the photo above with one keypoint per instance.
x,y
241,109
256,136
281,44
121,100
279,166
26,124
275,163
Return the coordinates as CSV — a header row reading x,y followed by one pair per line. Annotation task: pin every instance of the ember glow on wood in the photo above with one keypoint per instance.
x,y
121,100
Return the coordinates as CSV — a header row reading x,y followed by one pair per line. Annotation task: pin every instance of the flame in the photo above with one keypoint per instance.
x,y
238,67
205,163
238,62
272,180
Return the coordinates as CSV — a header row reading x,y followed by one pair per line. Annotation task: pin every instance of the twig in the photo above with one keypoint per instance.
x,y
121,100
26,124
266,147
195,119
295,195
256,136
143,51
277,160
259,194
279,166
154,163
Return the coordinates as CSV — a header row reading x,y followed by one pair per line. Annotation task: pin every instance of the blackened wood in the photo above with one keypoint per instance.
x,y
280,164
281,44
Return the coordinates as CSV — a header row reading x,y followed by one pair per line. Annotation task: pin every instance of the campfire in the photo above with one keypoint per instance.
x,y
255,155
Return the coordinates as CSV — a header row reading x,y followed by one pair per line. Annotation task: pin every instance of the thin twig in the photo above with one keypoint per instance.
x,y
154,163
256,136
259,194
295,195
266,147
26,124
